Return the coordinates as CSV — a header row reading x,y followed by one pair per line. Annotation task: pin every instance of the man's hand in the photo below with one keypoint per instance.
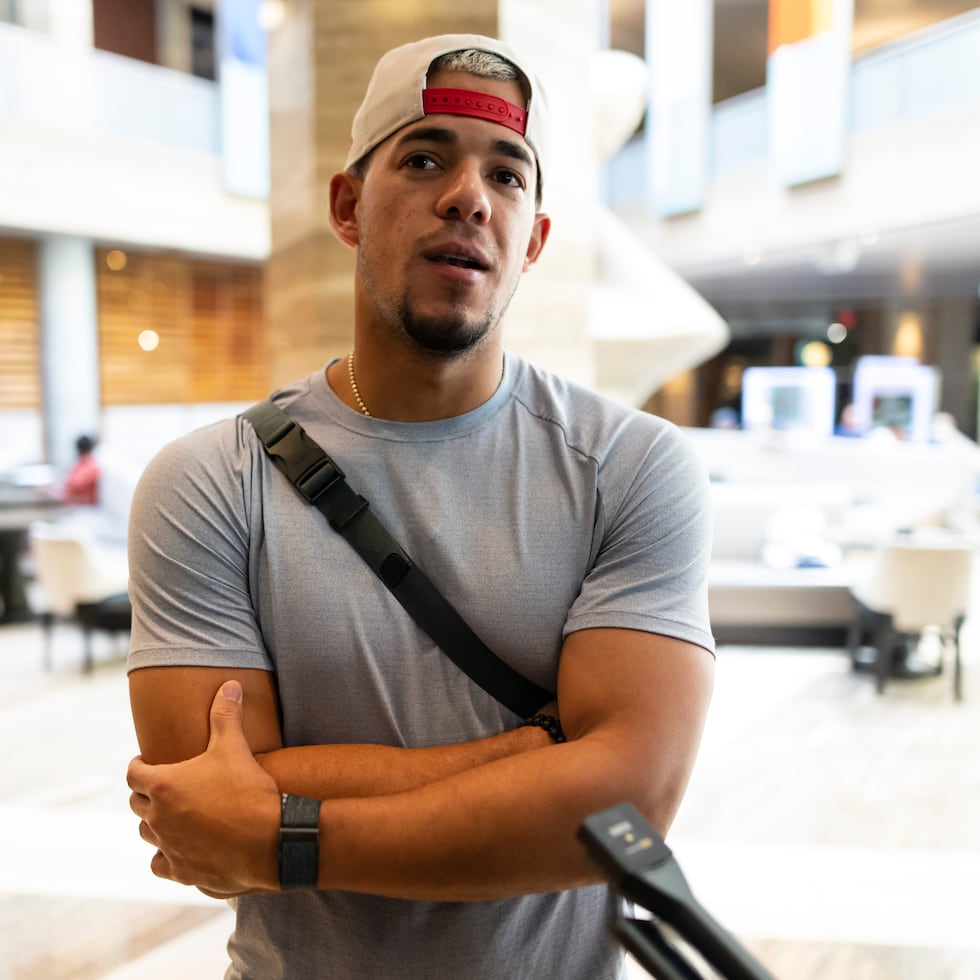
x,y
192,811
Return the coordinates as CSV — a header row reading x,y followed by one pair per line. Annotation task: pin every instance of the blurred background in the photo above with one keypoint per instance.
x,y
766,229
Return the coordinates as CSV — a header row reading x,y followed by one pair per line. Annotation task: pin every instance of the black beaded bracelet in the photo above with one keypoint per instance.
x,y
299,842
550,724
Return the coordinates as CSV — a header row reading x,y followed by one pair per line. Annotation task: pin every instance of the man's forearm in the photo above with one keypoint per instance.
x,y
505,829
335,771
486,830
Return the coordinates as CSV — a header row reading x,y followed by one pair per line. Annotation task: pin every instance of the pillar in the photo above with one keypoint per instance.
x,y
69,343
952,323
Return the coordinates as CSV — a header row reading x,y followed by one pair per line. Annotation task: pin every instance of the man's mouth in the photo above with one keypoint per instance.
x,y
462,261
458,254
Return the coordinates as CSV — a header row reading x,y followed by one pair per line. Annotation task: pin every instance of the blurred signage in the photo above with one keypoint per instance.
x,y
244,98
807,77
679,53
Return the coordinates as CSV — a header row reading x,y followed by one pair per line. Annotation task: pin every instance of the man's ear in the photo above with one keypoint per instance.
x,y
539,235
344,193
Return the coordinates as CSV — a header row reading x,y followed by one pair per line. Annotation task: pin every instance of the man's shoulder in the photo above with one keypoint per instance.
x,y
200,456
592,423
230,435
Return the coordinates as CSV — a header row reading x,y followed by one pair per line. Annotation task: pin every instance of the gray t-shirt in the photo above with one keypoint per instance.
x,y
545,511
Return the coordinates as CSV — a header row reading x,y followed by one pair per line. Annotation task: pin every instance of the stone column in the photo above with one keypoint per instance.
x,y
950,326
320,59
548,320
70,345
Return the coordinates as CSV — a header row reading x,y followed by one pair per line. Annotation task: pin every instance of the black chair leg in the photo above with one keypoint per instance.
x,y
957,661
855,633
47,625
886,641
87,645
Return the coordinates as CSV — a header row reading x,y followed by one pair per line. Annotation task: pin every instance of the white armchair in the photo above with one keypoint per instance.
x,y
80,581
908,587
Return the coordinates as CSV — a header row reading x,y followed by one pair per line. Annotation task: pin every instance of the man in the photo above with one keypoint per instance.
x,y
571,534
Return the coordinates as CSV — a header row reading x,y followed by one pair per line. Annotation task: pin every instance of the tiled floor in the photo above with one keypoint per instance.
x,y
835,832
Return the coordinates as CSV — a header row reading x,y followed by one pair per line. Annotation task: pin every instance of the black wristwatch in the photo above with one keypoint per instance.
x,y
550,724
299,842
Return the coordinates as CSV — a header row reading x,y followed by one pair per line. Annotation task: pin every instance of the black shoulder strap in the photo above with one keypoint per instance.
x,y
321,481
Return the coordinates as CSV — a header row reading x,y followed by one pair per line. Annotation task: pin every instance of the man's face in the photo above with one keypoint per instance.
x,y
446,224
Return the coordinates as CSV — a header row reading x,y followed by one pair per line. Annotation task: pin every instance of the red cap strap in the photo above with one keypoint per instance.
x,y
465,102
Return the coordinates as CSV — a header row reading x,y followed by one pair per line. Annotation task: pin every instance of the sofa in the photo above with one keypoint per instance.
x,y
797,518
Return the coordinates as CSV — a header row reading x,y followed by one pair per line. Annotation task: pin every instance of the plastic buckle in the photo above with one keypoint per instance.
x,y
318,479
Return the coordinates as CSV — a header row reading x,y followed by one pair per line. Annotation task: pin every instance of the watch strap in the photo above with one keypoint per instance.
x,y
299,842
550,724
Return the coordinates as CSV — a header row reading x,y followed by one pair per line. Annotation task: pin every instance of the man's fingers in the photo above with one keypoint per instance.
x,y
160,866
136,774
226,715
139,803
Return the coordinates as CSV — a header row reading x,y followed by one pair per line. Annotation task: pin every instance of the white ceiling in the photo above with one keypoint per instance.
x,y
930,260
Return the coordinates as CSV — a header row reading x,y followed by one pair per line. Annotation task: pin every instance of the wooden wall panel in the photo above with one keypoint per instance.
x,y
207,316
20,349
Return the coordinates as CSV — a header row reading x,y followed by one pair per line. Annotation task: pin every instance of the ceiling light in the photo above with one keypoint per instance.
x,y
271,14
815,354
116,260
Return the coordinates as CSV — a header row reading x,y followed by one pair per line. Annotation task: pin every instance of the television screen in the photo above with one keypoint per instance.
x,y
789,399
895,393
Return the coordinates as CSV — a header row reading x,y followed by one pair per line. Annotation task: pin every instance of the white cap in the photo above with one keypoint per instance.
x,y
396,96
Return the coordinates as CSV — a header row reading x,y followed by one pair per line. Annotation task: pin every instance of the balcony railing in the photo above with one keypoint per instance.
x,y
928,72
48,85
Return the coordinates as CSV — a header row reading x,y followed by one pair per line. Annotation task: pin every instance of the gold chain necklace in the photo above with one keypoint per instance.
x,y
353,385
357,395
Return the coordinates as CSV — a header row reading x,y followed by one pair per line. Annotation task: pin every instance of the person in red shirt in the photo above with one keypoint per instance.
x,y
82,485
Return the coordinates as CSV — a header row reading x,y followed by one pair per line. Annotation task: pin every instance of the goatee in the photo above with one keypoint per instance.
x,y
443,336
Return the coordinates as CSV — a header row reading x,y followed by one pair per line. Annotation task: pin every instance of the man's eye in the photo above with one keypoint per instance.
x,y
510,178
420,161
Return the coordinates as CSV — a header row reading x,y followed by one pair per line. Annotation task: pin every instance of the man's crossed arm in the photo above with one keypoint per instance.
x,y
486,819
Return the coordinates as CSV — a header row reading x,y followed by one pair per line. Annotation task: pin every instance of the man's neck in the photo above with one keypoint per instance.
x,y
415,389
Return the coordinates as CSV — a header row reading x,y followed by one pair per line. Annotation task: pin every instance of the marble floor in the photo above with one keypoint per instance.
x,y
835,832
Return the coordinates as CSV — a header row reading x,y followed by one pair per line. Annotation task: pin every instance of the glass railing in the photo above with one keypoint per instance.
x,y
48,85
933,70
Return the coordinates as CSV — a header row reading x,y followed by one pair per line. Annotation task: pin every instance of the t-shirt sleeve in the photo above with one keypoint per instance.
x,y
190,555
652,539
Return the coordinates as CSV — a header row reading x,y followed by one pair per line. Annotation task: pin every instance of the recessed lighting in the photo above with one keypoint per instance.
x,y
116,260
271,14
816,354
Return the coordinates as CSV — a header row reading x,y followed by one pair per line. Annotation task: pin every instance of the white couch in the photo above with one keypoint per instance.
x,y
796,519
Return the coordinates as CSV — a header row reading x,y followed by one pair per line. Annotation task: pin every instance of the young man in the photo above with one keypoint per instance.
x,y
571,533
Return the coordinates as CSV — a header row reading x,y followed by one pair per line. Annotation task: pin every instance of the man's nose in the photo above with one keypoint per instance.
x,y
465,196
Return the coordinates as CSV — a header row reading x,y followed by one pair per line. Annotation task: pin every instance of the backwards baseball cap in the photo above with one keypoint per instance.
x,y
397,95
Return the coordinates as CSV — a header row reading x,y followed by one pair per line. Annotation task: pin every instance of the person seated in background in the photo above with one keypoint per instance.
x,y
724,417
848,424
82,485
